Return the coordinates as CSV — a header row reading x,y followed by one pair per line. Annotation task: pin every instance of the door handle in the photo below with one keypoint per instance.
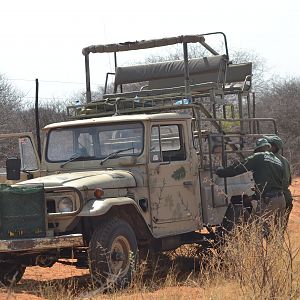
x,y
188,183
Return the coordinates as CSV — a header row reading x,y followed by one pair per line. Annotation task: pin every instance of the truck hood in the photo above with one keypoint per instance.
x,y
91,179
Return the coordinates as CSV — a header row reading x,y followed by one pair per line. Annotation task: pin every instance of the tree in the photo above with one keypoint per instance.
x,y
194,51
48,113
80,96
258,67
10,104
281,99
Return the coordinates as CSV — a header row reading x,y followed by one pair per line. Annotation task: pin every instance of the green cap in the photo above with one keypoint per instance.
x,y
275,140
261,143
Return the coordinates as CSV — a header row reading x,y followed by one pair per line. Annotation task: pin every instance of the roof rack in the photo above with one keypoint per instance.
x,y
166,85
146,44
205,86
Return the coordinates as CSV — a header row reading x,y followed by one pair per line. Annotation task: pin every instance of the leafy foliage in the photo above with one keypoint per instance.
x,y
281,101
10,101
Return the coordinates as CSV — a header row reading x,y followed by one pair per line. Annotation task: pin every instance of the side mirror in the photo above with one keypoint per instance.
x,y
13,168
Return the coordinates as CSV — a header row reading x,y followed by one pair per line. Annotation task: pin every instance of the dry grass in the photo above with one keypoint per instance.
x,y
246,266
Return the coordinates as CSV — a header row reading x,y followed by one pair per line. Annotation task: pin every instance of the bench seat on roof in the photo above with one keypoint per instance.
x,y
168,77
239,77
214,65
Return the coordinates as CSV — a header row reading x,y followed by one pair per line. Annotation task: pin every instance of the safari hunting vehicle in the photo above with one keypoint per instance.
x,y
134,171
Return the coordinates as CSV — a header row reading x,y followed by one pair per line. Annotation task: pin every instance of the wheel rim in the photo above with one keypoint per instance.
x,y
120,256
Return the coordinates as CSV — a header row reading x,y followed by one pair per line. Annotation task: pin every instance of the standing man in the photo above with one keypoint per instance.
x,y
268,176
276,146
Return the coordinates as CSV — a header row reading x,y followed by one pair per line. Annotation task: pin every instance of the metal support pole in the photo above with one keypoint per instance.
x,y
115,60
212,183
224,164
116,65
256,128
37,122
88,80
186,73
240,98
249,111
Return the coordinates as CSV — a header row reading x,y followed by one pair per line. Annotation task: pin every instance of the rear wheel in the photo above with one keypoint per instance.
x,y
112,253
237,213
10,273
233,217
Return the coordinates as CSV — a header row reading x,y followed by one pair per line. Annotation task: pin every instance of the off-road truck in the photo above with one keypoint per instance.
x,y
133,170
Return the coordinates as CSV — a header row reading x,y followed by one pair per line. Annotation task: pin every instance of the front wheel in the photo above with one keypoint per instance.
x,y
10,273
112,253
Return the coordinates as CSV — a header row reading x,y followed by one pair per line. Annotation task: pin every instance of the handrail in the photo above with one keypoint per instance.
x,y
146,44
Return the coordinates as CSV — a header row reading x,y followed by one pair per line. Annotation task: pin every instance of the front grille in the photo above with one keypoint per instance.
x,y
22,212
51,206
53,225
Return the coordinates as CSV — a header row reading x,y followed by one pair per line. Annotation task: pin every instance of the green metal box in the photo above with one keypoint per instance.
x,y
22,212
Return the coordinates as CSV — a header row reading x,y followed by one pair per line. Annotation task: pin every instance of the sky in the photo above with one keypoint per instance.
x,y
44,39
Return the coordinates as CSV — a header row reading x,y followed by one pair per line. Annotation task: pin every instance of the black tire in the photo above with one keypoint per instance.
x,y
233,217
113,253
237,213
10,273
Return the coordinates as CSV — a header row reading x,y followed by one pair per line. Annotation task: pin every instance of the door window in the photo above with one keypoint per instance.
x,y
167,143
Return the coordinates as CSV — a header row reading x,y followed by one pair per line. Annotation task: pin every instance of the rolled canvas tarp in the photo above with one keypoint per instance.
x,y
143,44
169,69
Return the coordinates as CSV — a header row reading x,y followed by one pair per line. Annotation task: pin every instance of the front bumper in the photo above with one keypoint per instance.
x,y
46,243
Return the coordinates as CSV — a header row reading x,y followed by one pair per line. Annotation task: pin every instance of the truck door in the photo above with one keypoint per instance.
x,y
22,146
173,180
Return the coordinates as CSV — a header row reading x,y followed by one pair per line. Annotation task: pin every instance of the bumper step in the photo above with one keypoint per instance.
x,y
56,242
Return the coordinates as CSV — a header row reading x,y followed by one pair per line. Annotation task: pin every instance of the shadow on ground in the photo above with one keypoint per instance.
x,y
151,275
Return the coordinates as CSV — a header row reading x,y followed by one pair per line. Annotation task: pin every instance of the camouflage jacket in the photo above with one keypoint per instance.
x,y
267,171
287,178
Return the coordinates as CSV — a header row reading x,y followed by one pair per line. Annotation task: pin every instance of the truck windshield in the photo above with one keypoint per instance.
x,y
95,142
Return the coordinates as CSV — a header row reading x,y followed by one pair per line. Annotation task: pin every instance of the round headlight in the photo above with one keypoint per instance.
x,y
65,205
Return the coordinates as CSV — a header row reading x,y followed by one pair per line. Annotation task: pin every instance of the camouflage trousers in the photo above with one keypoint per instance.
x,y
289,206
271,210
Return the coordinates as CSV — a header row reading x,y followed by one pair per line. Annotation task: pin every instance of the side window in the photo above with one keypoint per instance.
x,y
167,143
28,157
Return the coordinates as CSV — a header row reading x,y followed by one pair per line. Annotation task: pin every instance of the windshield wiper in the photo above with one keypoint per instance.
x,y
114,154
72,158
